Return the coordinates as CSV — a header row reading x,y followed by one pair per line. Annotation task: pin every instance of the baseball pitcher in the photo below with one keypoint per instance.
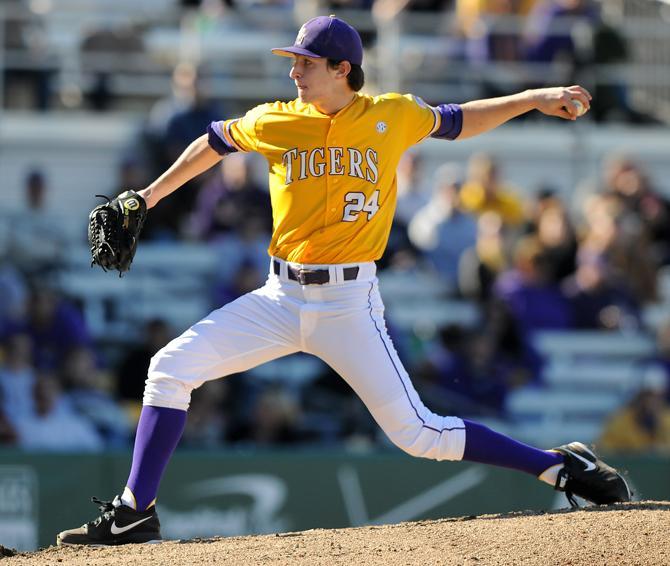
x,y
332,155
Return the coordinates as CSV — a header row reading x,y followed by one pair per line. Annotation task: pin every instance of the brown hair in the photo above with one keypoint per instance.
x,y
355,78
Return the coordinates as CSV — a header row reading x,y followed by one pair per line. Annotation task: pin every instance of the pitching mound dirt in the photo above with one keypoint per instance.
x,y
633,533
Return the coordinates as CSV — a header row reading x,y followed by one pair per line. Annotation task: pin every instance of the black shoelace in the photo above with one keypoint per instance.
x,y
561,485
105,507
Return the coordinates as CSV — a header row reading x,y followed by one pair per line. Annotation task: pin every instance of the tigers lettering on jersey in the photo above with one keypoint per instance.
x,y
333,178
333,160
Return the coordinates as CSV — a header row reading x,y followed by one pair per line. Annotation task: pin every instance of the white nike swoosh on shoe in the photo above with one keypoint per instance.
x,y
119,530
590,466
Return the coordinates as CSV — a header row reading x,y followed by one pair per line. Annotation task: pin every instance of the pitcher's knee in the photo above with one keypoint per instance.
x,y
167,384
165,391
423,440
412,440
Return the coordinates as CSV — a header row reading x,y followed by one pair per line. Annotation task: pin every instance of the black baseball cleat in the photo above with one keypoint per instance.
x,y
118,524
588,477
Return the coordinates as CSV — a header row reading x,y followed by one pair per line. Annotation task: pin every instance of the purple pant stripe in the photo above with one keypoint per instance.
x,y
388,353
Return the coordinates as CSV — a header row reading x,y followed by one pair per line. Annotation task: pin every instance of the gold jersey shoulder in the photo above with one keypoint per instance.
x,y
332,178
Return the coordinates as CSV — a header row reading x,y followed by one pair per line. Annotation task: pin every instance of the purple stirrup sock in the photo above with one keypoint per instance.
x,y
489,447
158,433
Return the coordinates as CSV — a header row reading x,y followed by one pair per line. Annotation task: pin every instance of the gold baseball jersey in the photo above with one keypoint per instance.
x,y
333,177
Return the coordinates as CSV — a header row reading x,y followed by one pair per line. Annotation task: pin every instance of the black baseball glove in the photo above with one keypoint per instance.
x,y
113,230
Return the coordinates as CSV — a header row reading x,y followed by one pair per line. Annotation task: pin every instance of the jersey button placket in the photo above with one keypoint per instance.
x,y
333,181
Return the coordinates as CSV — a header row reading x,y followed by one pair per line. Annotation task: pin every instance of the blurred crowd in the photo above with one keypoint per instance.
x,y
524,256
493,47
528,258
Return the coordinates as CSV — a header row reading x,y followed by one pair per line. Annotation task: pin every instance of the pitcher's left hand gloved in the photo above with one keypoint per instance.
x,y
113,231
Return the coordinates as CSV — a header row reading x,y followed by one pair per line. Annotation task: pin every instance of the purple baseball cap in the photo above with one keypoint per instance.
x,y
326,36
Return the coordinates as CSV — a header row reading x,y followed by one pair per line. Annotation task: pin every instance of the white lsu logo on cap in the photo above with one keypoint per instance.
x,y
301,35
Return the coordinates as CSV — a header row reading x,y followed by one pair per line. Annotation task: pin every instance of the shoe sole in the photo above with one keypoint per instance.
x,y
99,545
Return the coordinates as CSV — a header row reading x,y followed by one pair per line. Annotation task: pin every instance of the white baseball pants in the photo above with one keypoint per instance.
x,y
341,322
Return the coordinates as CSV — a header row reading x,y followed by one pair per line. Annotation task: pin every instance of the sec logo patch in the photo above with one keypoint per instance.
x,y
381,127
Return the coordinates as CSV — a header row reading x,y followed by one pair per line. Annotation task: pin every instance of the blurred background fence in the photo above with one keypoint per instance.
x,y
208,494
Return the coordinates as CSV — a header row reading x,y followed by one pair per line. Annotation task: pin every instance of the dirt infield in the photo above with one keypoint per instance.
x,y
633,533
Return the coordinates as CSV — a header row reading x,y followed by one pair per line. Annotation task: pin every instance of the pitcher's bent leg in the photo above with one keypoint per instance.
x,y
252,330
365,357
241,335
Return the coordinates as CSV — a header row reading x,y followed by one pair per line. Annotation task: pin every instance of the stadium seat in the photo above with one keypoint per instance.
x,y
602,375
593,344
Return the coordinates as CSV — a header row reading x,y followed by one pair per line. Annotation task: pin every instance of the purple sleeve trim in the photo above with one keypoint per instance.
x,y
451,122
216,142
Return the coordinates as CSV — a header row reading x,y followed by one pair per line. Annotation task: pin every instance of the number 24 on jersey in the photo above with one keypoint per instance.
x,y
356,204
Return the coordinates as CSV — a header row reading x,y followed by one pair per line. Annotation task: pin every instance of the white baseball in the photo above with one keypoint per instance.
x,y
579,105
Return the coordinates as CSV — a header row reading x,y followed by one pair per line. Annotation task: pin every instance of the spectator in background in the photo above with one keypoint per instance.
x,y
207,420
662,359
189,120
134,365
411,191
470,13
534,300
468,372
629,184
37,238
385,10
611,99
54,426
537,202
549,39
8,436
213,6
333,413
621,241
17,378
230,198
88,391
245,279
643,424
13,296
173,123
184,77
411,196
28,66
55,327
275,419
492,37
483,191
130,173
103,51
598,299
558,240
441,230
481,264
243,250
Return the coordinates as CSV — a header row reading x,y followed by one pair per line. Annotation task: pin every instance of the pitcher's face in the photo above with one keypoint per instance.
x,y
313,78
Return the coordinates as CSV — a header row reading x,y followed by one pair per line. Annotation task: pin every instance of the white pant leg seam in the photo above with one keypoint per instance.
x,y
402,381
